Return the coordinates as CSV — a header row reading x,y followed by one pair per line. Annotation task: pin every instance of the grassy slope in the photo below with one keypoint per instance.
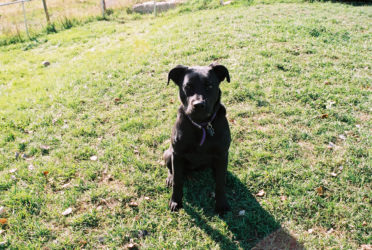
x,y
105,94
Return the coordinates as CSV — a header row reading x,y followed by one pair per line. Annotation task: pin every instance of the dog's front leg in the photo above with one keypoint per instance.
x,y
220,170
178,166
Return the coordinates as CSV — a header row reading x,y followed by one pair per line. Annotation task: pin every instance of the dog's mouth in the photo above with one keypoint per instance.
x,y
198,115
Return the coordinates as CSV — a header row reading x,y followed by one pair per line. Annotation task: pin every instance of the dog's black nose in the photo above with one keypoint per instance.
x,y
199,104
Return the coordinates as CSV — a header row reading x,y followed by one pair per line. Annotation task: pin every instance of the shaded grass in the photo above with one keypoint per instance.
x,y
300,79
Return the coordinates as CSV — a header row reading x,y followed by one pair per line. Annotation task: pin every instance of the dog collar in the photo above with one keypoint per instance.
x,y
205,126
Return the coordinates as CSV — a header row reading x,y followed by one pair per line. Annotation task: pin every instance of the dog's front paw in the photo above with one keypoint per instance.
x,y
175,206
169,181
222,207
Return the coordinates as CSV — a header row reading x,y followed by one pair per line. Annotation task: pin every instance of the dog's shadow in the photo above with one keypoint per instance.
x,y
255,228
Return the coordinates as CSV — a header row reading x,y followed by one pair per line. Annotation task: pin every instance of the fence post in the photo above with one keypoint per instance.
x,y
46,11
103,5
24,16
154,7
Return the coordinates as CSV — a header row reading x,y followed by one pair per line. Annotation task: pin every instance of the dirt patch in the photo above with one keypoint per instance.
x,y
280,239
364,117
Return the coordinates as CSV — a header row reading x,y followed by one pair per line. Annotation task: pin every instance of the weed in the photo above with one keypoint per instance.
x,y
67,23
51,28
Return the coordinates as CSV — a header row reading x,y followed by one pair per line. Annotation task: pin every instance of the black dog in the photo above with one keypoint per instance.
x,y
201,135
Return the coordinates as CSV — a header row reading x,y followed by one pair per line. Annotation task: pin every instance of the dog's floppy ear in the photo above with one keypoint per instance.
x,y
221,71
177,74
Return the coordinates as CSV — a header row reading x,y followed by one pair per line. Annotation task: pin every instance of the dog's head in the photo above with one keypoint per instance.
x,y
199,88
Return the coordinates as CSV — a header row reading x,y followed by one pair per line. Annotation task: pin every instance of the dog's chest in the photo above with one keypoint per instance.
x,y
199,156
196,160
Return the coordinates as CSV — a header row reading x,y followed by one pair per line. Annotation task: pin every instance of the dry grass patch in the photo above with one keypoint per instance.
x,y
280,239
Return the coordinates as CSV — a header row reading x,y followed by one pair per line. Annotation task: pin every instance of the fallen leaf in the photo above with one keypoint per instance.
x,y
241,212
31,167
310,230
45,147
364,223
147,198
133,204
131,246
45,173
67,211
330,231
333,174
283,198
327,82
366,247
342,137
331,145
66,185
365,198
323,116
261,193
83,242
117,99
320,190
93,158
3,221
329,104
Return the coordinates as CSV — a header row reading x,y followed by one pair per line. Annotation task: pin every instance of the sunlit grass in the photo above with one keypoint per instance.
x,y
299,107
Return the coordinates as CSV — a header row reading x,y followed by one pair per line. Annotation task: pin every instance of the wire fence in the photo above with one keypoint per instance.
x,y
31,16
22,2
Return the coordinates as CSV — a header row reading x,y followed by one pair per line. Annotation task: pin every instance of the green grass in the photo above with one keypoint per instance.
x,y
301,77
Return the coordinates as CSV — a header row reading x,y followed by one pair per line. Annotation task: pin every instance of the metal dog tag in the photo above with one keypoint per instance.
x,y
210,129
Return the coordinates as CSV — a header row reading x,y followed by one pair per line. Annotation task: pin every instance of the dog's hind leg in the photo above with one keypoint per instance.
x,y
167,156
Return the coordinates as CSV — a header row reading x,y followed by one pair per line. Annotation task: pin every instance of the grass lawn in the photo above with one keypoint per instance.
x,y
88,131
